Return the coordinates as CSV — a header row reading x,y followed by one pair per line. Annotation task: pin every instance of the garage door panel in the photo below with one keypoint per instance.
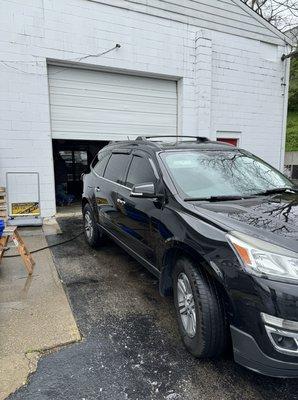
x,y
96,99
84,105
121,87
96,90
95,105
107,131
101,117
106,78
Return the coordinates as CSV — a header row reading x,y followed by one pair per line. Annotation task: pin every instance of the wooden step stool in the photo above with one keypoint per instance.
x,y
13,234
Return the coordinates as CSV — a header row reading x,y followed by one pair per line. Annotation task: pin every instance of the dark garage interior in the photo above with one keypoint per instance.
x,y
71,159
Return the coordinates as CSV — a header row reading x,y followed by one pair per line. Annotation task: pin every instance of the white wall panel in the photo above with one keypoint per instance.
x,y
229,16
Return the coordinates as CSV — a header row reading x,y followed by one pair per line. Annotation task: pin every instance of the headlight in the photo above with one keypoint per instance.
x,y
264,259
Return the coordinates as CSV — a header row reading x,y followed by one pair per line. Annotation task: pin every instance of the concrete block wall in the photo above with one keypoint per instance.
x,y
248,94
225,83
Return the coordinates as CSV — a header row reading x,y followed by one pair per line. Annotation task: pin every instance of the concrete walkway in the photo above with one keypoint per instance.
x,y
34,314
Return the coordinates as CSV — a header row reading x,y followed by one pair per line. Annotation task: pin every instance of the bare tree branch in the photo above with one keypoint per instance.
x,y
281,13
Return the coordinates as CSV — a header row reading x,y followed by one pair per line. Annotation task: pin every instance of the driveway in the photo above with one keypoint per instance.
x,y
131,348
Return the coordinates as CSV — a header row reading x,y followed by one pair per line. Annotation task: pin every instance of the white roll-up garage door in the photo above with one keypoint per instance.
x,y
95,105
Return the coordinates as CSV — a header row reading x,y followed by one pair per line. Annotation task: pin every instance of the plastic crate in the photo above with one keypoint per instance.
x,y
2,226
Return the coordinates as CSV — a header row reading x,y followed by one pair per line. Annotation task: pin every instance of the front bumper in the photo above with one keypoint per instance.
x,y
248,354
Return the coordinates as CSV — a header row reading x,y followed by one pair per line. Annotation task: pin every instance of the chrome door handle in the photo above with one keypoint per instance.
x,y
97,189
122,202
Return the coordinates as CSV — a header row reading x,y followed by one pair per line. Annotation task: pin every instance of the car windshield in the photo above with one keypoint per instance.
x,y
221,173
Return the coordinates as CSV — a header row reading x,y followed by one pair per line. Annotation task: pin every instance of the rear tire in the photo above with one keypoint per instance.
x,y
200,311
92,232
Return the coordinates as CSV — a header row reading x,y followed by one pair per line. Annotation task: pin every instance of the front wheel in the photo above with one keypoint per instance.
x,y
92,233
199,309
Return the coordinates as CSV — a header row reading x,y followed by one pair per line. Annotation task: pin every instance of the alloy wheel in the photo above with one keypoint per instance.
x,y
88,225
186,305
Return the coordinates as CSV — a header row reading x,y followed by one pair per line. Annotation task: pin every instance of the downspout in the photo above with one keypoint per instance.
x,y
285,84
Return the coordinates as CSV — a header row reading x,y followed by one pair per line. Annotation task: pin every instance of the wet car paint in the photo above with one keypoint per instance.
x,y
276,215
199,229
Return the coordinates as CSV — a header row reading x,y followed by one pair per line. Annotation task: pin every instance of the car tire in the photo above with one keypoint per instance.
x,y
206,335
92,232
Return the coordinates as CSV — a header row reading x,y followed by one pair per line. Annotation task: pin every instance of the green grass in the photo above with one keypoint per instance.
x,y
292,131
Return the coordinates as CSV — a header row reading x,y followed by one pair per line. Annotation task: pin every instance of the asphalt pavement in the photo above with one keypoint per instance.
x,y
131,347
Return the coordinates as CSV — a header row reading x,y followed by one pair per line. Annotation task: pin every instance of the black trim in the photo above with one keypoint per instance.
x,y
248,354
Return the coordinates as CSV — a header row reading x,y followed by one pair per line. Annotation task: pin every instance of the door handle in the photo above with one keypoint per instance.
x,y
97,189
121,202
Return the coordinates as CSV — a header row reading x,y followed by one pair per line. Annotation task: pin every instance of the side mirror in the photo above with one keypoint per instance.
x,y
144,190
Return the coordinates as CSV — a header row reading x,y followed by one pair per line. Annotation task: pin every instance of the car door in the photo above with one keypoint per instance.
x,y
135,214
106,190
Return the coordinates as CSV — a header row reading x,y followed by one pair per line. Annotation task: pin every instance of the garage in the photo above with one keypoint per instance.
x,y
108,70
94,105
90,107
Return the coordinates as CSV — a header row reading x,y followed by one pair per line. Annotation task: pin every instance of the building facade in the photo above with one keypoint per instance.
x,y
77,73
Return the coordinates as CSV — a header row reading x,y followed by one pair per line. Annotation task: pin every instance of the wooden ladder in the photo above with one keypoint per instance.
x,y
13,234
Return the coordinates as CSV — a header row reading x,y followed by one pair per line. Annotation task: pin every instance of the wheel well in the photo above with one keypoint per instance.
x,y
166,282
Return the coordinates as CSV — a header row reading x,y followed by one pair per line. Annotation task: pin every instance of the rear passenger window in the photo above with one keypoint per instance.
x,y
116,167
140,171
102,162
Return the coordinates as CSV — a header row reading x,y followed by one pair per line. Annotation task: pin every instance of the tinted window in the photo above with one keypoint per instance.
x,y
102,162
140,171
116,167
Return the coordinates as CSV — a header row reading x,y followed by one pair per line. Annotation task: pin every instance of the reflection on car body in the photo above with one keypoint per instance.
x,y
219,228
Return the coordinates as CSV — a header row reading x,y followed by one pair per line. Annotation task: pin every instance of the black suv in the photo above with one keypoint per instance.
x,y
219,228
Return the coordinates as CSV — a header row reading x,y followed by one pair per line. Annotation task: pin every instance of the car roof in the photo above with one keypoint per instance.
x,y
155,144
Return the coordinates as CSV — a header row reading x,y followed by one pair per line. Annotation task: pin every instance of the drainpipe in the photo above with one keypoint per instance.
x,y
285,84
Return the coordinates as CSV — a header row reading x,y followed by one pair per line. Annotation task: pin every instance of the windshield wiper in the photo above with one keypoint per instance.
x,y
276,191
215,198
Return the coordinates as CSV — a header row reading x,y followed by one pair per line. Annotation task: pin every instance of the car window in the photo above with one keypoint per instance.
x,y
220,173
103,158
140,171
116,167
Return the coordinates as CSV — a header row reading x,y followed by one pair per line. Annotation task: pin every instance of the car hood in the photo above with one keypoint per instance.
x,y
271,218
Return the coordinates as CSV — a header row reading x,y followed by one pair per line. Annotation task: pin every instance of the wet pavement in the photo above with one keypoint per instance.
x,y
131,347
34,312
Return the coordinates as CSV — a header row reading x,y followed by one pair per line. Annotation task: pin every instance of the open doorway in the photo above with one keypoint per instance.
x,y
71,159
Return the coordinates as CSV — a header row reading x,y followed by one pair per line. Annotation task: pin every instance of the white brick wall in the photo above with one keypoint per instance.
x,y
226,82
248,96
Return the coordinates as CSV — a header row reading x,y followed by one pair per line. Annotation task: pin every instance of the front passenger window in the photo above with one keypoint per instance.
x,y
140,171
116,167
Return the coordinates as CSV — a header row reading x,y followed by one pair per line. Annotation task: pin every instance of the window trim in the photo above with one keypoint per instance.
x,y
115,183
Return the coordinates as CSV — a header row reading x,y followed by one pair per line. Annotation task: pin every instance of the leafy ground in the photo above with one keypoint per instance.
x,y
292,131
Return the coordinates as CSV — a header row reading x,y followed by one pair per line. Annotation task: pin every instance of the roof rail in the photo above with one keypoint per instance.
x,y
200,139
